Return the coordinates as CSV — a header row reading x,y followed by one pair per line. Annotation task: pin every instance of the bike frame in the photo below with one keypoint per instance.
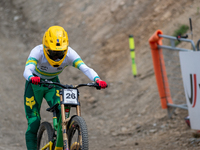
x,y
61,127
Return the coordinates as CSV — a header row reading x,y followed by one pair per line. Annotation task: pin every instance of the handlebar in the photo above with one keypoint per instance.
x,y
50,83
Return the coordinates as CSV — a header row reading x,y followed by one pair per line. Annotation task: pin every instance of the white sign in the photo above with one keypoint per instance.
x,y
70,96
190,68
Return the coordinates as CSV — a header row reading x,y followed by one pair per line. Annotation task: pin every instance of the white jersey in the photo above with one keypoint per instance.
x,y
38,65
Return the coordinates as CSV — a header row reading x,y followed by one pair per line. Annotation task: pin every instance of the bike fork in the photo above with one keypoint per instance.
x,y
64,128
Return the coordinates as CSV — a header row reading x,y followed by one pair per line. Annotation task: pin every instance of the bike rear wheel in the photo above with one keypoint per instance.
x,y
45,135
78,134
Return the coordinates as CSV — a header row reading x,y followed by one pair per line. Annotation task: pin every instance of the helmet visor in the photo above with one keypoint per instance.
x,y
56,55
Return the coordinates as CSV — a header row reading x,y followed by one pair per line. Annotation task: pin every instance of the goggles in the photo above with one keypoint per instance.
x,y
56,55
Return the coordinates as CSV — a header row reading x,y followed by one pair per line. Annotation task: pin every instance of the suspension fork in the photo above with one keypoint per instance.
x,y
65,121
64,124
78,108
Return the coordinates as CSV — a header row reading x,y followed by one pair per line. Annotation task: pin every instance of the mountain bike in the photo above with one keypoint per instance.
x,y
67,133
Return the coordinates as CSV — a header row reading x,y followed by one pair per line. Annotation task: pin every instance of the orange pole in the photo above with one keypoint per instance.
x,y
159,69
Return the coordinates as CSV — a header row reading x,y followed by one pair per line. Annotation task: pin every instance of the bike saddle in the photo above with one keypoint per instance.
x,y
54,107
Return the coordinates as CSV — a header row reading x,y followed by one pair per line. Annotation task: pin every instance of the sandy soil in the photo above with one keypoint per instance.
x,y
127,115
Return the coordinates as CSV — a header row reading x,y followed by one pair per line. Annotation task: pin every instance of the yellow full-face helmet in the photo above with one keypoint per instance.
x,y
55,45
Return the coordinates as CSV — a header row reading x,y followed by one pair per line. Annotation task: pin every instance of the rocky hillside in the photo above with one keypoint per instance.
x,y
127,115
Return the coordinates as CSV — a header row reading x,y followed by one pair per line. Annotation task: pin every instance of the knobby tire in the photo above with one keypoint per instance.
x,y
78,126
44,127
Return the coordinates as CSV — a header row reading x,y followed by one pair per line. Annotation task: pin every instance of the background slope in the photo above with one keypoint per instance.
x,y
126,115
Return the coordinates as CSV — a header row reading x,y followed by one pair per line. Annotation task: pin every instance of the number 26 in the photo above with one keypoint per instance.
x,y
70,96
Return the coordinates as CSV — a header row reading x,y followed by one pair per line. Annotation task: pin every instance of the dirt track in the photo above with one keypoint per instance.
x,y
125,116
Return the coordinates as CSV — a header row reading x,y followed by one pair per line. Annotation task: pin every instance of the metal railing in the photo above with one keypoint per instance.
x,y
173,71
172,41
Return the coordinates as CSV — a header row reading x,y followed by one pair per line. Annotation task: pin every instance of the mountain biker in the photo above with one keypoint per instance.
x,y
47,61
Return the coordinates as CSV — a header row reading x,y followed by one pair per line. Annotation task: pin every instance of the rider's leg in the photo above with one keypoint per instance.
x,y
32,104
52,95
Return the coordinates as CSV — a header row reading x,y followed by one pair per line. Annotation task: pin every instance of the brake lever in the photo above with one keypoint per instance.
x,y
91,84
50,86
94,84
98,87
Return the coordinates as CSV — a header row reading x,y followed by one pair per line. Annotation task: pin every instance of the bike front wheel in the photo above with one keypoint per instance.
x,y
78,134
45,135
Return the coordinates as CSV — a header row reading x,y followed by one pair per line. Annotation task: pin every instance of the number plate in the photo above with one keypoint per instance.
x,y
70,96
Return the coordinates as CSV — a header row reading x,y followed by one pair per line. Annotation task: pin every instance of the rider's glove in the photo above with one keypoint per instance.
x,y
101,83
35,80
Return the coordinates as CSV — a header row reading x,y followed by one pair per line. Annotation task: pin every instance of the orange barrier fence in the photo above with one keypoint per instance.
x,y
159,69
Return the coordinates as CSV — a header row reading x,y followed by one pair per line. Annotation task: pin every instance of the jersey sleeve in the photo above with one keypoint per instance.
x,y
89,72
31,63
77,62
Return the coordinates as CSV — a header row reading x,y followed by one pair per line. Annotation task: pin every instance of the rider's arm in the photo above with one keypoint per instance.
x,y
32,62
92,75
77,62
89,72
